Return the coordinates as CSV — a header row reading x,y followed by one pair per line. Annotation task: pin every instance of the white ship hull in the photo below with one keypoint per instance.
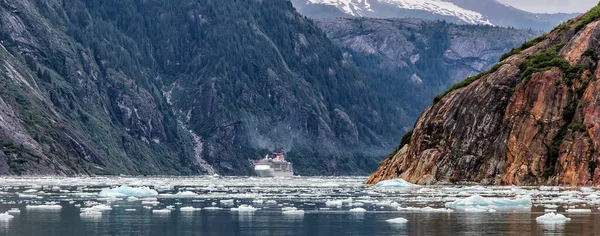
x,y
273,173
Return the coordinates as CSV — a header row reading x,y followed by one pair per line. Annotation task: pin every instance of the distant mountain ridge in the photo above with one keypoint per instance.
x,y
483,12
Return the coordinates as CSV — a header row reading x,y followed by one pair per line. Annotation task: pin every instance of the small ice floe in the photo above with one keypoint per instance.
x,y
292,211
132,199
549,210
334,203
425,209
358,210
395,183
552,218
476,200
550,206
44,207
189,209
100,207
226,202
6,216
161,211
244,208
212,208
258,201
398,220
126,191
271,202
578,210
130,209
186,194
21,195
90,214
14,211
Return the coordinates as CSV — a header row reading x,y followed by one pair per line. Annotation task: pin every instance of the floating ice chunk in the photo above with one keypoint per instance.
x,y
552,218
289,208
161,211
90,214
27,195
578,210
150,202
30,191
14,211
44,207
6,216
244,208
258,201
398,220
334,203
226,202
130,209
132,199
293,212
477,200
100,207
395,183
212,208
189,209
551,206
549,210
186,194
272,202
126,191
429,209
358,210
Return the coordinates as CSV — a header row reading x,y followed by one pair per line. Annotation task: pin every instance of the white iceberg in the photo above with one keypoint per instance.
x,y
189,209
334,203
6,216
161,211
293,212
578,210
90,214
14,211
476,200
425,209
244,208
398,220
100,207
126,191
358,210
395,183
552,218
44,207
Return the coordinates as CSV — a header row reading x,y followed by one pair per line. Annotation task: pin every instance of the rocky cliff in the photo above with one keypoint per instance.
x,y
531,120
410,61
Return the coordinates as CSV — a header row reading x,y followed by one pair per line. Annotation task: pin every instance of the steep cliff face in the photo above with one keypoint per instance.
x,y
180,87
532,119
410,61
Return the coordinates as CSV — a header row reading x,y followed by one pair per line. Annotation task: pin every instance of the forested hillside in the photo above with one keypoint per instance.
x,y
181,87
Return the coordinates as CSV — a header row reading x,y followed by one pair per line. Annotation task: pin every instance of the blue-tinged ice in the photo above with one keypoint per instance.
x,y
126,191
480,201
395,183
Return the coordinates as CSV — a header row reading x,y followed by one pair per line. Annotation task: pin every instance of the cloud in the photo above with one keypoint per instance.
x,y
552,6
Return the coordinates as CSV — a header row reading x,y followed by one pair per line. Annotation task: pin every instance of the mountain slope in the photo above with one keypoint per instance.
x,y
410,61
530,120
486,12
185,87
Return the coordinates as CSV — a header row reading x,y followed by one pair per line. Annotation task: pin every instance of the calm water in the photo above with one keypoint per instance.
x,y
269,196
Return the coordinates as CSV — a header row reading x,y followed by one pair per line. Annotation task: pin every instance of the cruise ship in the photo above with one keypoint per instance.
x,y
273,166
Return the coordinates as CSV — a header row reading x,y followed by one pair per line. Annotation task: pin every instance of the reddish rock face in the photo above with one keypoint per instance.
x,y
506,128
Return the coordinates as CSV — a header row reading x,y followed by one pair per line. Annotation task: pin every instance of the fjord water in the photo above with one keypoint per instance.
x,y
326,202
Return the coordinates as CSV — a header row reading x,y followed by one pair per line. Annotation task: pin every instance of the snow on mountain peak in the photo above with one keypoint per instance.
x,y
358,7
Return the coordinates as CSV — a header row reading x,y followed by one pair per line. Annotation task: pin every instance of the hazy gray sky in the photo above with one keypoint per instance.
x,y
552,6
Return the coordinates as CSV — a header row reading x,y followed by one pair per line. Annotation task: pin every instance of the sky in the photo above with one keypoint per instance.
x,y
552,6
